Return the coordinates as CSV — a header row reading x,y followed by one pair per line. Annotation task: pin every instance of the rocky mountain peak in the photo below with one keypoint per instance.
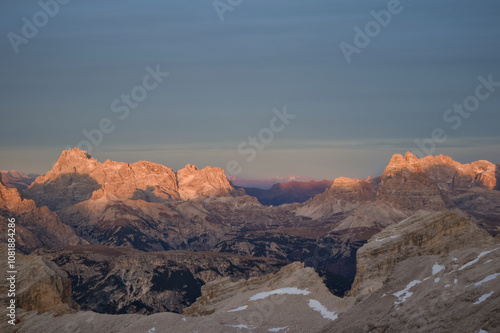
x,y
345,183
76,176
73,161
402,167
410,158
189,169
352,190
443,170
195,183
406,184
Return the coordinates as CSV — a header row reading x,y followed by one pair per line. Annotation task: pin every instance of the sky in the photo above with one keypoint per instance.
x,y
260,88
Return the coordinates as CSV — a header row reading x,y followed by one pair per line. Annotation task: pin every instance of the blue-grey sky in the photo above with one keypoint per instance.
x,y
227,76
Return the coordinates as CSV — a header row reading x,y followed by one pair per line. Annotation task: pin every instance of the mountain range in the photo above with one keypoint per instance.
x,y
146,239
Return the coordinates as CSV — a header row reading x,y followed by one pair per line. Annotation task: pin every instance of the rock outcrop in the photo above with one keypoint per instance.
x,y
452,175
209,182
423,234
41,285
433,273
407,185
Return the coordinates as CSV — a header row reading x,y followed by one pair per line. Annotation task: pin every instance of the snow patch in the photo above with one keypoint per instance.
x,y
383,239
152,330
383,295
277,329
455,281
317,306
437,268
406,219
483,298
472,262
436,280
488,278
243,326
404,294
488,261
482,331
241,308
281,291
447,286
184,319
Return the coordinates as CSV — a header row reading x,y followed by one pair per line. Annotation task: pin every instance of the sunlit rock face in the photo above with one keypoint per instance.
x,y
42,285
407,185
443,170
35,226
76,176
195,183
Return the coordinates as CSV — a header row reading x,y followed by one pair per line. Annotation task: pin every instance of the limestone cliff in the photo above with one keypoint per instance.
x,y
40,285
423,234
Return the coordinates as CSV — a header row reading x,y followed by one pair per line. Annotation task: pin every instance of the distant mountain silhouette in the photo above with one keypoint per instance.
x,y
283,193
16,179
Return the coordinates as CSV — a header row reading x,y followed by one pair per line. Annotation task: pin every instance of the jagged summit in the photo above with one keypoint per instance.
x,y
76,175
407,185
446,172
209,181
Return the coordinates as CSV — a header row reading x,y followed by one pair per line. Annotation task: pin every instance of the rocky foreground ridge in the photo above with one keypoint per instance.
x,y
430,273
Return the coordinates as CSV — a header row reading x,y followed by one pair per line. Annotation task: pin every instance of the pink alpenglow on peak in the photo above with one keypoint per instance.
x,y
76,175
